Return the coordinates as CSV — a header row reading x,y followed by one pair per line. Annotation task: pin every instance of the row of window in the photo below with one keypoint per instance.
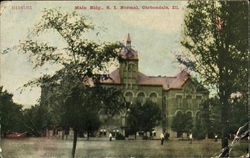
x,y
188,97
188,102
140,96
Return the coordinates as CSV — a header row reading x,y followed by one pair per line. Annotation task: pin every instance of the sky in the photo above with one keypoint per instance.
x,y
155,34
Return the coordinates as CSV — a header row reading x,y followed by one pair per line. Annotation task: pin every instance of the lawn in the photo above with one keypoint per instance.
x,y
55,148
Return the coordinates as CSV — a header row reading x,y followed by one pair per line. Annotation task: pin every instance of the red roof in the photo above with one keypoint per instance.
x,y
167,83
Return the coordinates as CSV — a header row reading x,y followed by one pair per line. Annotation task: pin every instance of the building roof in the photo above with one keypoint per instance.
x,y
175,82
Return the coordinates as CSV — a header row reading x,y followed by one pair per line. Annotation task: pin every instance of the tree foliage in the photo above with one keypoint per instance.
x,y
10,113
215,36
182,123
80,63
144,117
208,122
36,120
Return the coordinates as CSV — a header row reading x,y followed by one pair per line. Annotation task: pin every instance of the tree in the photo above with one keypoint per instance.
x,y
178,124
79,64
215,35
36,119
10,113
238,112
144,117
209,120
182,123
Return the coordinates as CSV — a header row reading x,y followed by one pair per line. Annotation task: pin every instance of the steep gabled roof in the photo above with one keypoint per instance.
x,y
113,77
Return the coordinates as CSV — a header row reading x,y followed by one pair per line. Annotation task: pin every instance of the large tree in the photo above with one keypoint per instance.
x,y
143,117
79,64
215,35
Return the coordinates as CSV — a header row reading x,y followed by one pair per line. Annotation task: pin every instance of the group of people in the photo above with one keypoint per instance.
x,y
165,136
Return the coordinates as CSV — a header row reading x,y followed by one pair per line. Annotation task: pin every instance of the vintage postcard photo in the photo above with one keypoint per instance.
x,y
124,79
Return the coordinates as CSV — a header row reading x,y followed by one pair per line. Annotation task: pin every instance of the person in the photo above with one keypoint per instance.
x,y
162,138
191,138
216,137
110,136
166,136
1,153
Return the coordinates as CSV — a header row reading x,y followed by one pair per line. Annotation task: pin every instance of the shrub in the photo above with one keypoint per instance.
x,y
119,136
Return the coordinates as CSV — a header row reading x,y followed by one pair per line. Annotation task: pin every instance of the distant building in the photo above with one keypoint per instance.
x,y
173,94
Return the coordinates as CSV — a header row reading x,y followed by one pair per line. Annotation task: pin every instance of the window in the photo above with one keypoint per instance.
x,y
153,97
128,97
130,67
197,115
189,114
198,101
189,101
179,101
141,97
178,113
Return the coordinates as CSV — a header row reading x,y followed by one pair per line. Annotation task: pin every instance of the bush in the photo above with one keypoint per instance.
x,y
198,133
145,137
119,136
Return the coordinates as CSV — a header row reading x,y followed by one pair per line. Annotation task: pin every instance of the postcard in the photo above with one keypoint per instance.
x,y
124,79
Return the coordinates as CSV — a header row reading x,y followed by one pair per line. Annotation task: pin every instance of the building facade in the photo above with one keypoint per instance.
x,y
173,94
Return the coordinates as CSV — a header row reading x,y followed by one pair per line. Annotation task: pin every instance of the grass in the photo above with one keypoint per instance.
x,y
55,148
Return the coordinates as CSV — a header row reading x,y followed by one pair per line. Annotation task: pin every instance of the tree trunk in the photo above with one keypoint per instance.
x,y
74,143
135,135
225,121
63,134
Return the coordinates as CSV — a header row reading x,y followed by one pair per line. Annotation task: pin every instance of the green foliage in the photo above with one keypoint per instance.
x,y
36,119
80,110
238,114
10,113
182,123
209,121
79,64
79,60
216,36
144,117
119,136
198,131
112,100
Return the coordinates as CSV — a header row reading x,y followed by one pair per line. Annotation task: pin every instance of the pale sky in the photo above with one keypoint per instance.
x,y
155,34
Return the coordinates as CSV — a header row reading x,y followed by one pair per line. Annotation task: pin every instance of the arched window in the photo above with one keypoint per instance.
x,y
189,113
153,97
197,116
141,97
128,97
178,113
